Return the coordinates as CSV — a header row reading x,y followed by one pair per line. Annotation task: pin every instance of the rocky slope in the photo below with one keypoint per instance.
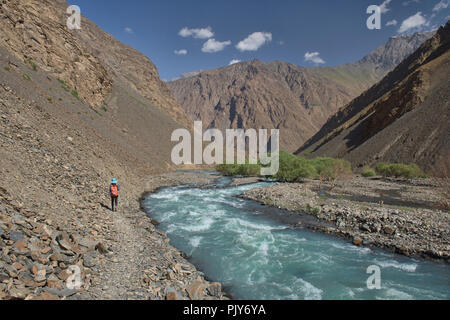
x,y
88,60
297,100
403,118
54,211
69,123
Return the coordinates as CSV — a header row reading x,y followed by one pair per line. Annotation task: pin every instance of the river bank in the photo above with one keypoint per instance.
x,y
357,209
119,255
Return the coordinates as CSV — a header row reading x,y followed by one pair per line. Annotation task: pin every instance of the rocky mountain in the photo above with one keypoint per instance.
x,y
89,60
403,118
297,100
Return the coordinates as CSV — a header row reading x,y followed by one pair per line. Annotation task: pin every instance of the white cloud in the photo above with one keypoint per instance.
x,y
441,5
129,30
254,41
391,23
314,57
212,45
202,33
234,61
181,52
383,6
413,22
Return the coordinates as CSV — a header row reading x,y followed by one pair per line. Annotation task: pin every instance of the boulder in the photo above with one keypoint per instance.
x,y
357,241
172,294
19,293
16,236
45,296
390,230
215,289
195,290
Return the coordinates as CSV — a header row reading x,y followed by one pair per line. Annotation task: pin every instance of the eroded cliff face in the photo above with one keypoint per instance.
x,y
88,61
36,33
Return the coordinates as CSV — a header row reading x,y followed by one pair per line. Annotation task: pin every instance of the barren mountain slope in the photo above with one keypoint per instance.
x,y
403,118
297,100
88,60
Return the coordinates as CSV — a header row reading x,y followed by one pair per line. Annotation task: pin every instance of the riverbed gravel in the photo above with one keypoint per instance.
x,y
420,232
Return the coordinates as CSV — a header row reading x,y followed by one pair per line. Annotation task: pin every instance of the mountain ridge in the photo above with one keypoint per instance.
x,y
383,124
297,100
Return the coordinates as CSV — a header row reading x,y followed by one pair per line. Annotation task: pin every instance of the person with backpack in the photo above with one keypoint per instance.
x,y
114,194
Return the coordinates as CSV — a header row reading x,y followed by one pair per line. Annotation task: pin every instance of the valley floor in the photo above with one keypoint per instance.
x,y
401,216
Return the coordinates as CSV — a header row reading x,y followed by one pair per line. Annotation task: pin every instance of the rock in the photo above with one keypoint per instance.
x,y
357,241
88,243
62,292
171,275
16,236
54,282
3,277
46,250
101,248
45,296
21,247
172,296
11,271
89,261
389,230
65,245
19,293
195,290
155,223
1,232
215,289
63,275
40,276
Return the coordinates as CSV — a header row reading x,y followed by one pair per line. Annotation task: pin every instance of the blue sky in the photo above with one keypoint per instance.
x,y
303,32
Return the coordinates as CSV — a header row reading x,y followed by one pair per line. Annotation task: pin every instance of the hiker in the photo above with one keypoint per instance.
x,y
114,194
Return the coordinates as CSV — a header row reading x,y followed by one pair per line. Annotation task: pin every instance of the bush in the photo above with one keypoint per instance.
x,y
64,85
32,64
293,168
399,170
239,169
368,172
75,94
331,169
